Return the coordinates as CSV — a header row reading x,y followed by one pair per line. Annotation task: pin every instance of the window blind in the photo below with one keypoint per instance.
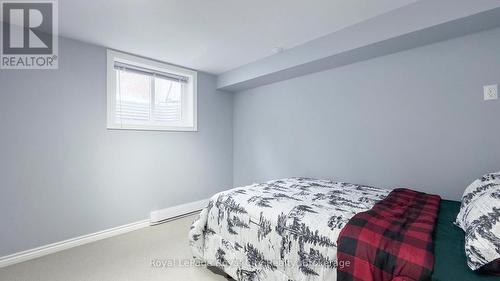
x,y
150,72
147,97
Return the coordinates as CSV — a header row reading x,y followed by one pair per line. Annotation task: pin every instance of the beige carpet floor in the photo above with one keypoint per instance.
x,y
139,255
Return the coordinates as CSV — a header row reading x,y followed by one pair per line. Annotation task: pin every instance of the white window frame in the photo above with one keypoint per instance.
x,y
189,107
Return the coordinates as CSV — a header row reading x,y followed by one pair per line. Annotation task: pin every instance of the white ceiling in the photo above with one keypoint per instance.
x,y
211,35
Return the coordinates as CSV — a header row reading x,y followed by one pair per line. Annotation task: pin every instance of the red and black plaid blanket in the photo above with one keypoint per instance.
x,y
392,241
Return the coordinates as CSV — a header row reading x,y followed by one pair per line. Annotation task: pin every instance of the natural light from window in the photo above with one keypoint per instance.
x,y
150,96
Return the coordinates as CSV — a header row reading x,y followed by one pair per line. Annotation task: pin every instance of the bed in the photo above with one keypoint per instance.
x,y
260,225
288,230
450,260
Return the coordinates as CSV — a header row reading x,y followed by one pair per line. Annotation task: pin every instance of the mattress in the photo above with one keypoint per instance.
x,y
280,230
450,263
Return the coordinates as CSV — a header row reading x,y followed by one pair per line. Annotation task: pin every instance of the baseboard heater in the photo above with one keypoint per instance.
x,y
176,212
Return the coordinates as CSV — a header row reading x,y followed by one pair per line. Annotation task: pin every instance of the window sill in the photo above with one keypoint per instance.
x,y
152,128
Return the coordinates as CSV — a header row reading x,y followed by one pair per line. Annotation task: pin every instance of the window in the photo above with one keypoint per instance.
x,y
148,95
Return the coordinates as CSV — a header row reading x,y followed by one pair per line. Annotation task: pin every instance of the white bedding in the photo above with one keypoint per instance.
x,y
479,217
280,230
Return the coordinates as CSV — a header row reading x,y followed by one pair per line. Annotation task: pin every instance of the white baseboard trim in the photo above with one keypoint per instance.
x,y
163,215
70,243
158,216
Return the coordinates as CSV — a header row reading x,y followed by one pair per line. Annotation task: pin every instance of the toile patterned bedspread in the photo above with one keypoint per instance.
x,y
280,230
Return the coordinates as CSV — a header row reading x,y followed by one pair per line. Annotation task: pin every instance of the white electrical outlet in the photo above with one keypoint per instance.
x,y
491,92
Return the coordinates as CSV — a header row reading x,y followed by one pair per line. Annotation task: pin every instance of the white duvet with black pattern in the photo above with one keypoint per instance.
x,y
479,217
280,230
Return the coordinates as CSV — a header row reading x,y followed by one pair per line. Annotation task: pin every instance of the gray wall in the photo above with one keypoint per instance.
x,y
63,174
413,119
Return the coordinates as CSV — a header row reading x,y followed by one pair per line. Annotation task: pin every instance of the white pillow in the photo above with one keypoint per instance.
x,y
479,217
473,192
